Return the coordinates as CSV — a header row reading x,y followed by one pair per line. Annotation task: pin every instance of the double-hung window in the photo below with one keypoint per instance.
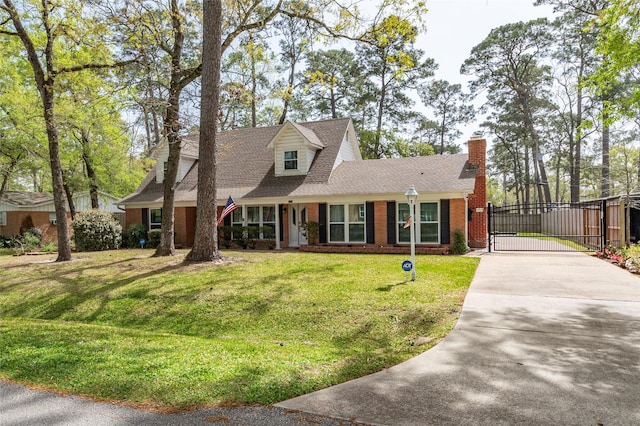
x,y
260,217
427,223
155,218
291,160
237,221
3,218
347,223
268,221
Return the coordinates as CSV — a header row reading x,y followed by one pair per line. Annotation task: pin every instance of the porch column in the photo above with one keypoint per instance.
x,y
277,236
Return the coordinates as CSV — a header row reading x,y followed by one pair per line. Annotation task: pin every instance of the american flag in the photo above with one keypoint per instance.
x,y
228,208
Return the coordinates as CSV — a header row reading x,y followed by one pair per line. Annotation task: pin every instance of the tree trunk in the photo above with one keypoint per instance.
x,y
334,101
287,99
91,173
70,203
527,177
7,173
576,164
378,137
64,243
254,89
604,192
205,247
171,128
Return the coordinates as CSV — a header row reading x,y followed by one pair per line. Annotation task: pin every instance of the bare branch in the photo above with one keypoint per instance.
x,y
91,66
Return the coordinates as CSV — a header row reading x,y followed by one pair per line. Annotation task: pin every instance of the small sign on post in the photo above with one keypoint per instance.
x,y
142,242
407,266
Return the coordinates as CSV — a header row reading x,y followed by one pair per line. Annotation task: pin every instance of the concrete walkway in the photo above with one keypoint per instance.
x,y
542,339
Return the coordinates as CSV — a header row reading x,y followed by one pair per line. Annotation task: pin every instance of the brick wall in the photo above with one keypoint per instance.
x,y
380,222
133,217
180,226
478,200
40,220
457,216
374,249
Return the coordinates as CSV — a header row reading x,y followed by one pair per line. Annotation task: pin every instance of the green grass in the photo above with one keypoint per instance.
x,y
121,325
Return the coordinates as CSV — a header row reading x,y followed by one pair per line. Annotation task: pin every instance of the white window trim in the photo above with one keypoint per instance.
x,y
262,223
155,225
418,222
244,210
346,223
3,218
296,160
53,220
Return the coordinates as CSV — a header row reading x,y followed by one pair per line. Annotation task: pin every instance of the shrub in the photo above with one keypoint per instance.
x,y
459,245
7,242
35,232
154,238
135,233
311,231
30,241
224,236
95,230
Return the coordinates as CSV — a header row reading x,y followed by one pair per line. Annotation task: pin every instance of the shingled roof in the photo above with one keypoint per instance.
x,y
23,198
246,170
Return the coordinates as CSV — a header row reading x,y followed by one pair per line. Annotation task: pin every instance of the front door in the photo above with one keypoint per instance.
x,y
297,218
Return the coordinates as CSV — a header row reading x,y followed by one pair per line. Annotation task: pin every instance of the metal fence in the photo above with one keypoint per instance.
x,y
552,227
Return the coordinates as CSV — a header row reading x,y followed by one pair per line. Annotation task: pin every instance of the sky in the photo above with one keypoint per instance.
x,y
454,27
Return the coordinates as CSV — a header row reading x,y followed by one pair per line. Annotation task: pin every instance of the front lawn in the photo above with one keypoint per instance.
x,y
262,328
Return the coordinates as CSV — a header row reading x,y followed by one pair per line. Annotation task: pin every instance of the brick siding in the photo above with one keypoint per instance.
x,y
478,200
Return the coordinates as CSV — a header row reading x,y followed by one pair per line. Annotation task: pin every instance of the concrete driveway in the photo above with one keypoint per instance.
x,y
542,339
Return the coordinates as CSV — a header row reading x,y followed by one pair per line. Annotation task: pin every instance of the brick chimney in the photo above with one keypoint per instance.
x,y
477,146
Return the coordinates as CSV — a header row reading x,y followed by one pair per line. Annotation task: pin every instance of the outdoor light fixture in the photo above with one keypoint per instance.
x,y
412,198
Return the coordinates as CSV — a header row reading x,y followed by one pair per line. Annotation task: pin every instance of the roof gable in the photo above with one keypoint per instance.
x,y
245,164
308,136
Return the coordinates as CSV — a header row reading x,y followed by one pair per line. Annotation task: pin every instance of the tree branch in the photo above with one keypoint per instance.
x,y
92,66
232,36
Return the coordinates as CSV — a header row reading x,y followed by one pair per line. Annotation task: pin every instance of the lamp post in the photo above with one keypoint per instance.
x,y
412,197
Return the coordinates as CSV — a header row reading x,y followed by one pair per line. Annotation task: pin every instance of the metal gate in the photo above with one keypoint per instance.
x,y
548,227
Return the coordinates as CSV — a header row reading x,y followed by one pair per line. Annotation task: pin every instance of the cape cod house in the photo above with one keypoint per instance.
x,y
284,176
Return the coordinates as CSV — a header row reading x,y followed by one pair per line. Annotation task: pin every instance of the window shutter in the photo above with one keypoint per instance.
x,y
145,218
391,222
445,228
371,236
280,218
322,222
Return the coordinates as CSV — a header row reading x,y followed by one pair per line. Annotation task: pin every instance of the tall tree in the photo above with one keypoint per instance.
x,y
67,41
451,108
395,65
575,53
205,247
296,37
508,61
245,80
332,79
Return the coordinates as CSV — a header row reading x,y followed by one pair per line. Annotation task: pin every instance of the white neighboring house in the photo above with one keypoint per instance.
x,y
21,209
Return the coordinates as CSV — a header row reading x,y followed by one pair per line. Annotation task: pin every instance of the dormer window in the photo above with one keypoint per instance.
x,y
291,160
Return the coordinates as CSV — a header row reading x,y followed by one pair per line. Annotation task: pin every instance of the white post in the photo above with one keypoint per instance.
x,y
413,241
412,197
277,231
